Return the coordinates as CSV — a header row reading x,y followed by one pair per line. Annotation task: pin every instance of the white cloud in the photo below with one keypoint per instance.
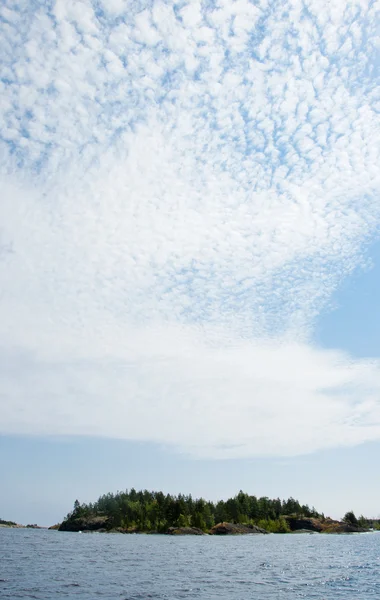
x,y
115,7
193,186
169,385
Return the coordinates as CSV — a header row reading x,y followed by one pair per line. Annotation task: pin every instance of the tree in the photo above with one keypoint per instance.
x,y
197,520
220,513
183,521
147,511
363,522
350,518
78,510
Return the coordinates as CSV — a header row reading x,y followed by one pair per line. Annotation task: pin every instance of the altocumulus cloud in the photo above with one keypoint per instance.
x,y
184,185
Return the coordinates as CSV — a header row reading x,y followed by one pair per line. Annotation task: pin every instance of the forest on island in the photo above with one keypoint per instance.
x,y
155,511
7,523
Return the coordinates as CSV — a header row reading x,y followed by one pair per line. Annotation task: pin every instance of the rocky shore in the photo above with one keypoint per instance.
x,y
235,529
86,524
297,524
185,531
102,524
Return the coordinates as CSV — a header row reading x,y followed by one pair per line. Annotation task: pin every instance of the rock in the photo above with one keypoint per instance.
x,y
235,529
339,527
125,530
299,524
308,531
84,524
57,526
185,531
308,524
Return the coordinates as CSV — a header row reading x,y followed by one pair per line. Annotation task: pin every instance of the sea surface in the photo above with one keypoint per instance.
x,y
51,564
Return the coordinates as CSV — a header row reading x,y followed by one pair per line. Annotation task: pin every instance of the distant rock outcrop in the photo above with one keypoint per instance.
x,y
235,529
309,524
330,526
11,524
85,524
298,524
307,531
185,531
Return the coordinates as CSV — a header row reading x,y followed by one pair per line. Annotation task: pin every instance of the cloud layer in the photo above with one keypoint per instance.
x,y
184,186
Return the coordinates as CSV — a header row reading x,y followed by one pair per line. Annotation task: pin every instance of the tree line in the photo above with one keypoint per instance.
x,y
156,511
7,523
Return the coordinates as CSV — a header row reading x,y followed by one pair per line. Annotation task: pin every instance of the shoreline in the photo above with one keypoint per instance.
x,y
179,534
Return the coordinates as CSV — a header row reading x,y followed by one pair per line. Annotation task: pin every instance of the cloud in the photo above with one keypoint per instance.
x,y
183,190
216,398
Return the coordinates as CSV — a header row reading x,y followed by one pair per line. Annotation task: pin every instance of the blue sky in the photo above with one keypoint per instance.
x,y
353,322
189,250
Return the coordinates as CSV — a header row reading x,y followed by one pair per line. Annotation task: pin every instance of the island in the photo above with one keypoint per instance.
x,y
146,511
13,525
7,524
153,512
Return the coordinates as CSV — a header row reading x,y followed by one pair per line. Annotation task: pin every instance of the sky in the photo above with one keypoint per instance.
x,y
189,251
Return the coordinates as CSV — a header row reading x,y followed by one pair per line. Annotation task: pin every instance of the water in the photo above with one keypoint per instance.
x,y
51,564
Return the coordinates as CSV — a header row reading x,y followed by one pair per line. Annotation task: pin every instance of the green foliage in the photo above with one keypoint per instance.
x,y
197,520
8,523
274,525
350,518
155,511
282,526
363,522
183,521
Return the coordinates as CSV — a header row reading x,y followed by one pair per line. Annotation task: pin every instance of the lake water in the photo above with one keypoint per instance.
x,y
51,564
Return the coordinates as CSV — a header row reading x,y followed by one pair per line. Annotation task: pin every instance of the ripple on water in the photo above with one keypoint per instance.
x,y
50,564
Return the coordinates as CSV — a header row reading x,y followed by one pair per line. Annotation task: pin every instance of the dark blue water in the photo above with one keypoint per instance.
x,y
51,564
